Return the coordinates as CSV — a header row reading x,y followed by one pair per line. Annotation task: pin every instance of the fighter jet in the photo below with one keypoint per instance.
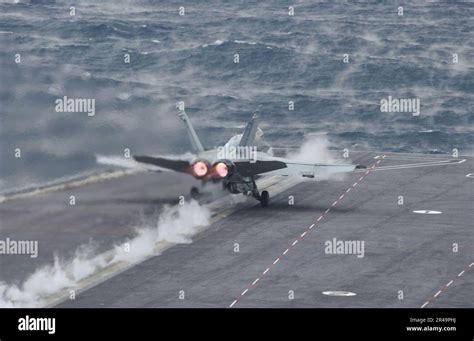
x,y
237,164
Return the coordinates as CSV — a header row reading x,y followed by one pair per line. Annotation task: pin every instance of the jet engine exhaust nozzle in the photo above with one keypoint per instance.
x,y
222,169
199,169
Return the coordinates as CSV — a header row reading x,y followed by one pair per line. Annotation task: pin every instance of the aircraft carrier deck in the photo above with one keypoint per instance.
x,y
423,259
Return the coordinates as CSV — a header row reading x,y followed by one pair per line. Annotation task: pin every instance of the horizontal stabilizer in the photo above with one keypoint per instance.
x,y
258,167
176,165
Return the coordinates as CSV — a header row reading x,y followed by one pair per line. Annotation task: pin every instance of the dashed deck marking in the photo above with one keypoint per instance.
x,y
443,289
301,236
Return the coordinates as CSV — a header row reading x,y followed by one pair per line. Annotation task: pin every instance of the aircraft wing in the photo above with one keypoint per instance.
x,y
285,167
155,164
273,166
316,169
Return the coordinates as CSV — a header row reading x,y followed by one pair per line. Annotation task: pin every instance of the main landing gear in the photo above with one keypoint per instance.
x,y
195,193
248,188
263,197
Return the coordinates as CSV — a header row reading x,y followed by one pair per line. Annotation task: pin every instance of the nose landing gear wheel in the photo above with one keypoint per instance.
x,y
264,198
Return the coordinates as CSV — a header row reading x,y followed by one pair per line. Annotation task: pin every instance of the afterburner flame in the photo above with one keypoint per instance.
x,y
200,169
221,169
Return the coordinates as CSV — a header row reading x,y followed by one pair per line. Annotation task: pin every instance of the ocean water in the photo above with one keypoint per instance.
x,y
191,58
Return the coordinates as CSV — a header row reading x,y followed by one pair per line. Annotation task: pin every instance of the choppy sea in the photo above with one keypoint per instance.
x,y
332,62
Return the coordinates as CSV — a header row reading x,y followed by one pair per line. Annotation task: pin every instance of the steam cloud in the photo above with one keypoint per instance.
x,y
315,149
176,224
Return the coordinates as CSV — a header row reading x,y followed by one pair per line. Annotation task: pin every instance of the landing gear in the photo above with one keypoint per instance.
x,y
264,198
195,193
248,187
198,192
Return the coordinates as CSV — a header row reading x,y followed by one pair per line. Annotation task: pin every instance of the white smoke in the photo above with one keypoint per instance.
x,y
176,224
118,161
315,149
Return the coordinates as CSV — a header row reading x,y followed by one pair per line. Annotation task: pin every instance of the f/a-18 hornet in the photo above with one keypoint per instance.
x,y
237,164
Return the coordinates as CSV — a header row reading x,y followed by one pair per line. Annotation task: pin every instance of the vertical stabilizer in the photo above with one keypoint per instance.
x,y
248,137
197,145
